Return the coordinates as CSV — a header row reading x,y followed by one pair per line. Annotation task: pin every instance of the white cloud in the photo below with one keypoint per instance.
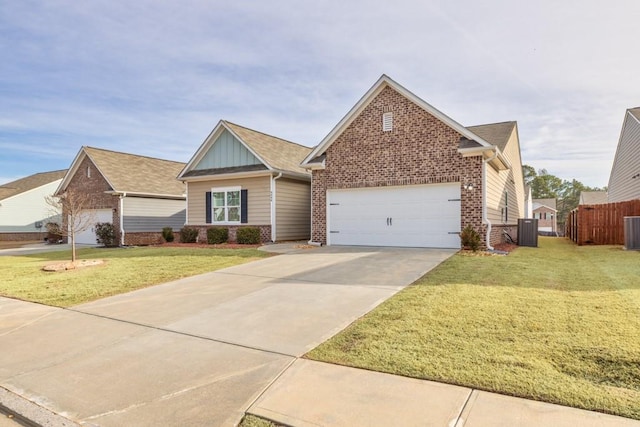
x,y
155,77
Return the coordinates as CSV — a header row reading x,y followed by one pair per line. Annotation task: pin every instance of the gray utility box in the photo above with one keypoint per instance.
x,y
632,232
528,232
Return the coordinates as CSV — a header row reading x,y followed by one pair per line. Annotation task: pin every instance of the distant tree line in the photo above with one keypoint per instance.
x,y
546,186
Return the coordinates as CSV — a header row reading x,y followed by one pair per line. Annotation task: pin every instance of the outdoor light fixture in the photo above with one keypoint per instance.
x,y
468,187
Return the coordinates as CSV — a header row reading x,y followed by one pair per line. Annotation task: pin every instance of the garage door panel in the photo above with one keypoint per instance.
x,y
88,236
411,216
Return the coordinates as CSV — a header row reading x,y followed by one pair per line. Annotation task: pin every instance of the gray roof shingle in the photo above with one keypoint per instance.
x,y
495,133
137,174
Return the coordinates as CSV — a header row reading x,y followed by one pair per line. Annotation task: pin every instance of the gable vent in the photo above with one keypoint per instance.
x,y
387,121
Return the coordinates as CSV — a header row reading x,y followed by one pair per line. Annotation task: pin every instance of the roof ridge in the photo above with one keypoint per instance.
x,y
267,134
131,154
496,123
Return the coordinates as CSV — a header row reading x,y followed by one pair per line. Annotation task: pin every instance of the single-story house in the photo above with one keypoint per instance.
x,y
593,198
23,209
395,171
139,195
242,177
624,181
545,211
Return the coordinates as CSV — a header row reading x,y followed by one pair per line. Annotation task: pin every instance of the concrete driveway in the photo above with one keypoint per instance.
x,y
200,350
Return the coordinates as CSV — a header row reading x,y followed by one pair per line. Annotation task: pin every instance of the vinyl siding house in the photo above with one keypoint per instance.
x,y
395,171
242,177
139,195
23,209
545,211
624,181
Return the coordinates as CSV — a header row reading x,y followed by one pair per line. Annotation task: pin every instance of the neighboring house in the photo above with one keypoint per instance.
x,y
397,172
241,177
545,211
23,209
528,202
624,181
139,195
593,198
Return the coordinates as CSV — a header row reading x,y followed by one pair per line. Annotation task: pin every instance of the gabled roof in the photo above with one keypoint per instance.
x,y
635,112
548,203
276,154
472,143
31,182
131,173
593,197
497,134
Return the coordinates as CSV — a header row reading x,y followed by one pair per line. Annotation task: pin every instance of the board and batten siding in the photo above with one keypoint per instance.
x,y
293,210
626,165
511,181
145,214
227,151
259,199
19,213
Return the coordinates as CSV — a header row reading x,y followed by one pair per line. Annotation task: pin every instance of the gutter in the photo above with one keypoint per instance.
x,y
485,219
273,206
121,208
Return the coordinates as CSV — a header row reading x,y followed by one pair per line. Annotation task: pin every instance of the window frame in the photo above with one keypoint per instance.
x,y
226,206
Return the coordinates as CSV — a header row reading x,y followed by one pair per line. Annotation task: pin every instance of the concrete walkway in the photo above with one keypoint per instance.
x,y
205,349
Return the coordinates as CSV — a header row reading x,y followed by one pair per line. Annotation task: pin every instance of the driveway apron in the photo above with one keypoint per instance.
x,y
200,350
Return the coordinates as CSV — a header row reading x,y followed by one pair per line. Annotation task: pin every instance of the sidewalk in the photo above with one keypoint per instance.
x,y
315,394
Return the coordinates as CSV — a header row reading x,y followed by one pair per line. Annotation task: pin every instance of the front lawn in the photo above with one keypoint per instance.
x,y
124,270
558,323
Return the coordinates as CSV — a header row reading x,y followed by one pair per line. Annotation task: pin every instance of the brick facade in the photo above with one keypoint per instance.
x,y
23,237
265,232
88,179
419,150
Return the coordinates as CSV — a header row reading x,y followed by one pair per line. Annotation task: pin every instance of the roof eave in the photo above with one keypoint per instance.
x,y
150,195
498,160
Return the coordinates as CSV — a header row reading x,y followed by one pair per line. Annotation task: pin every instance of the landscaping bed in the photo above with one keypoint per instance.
x,y
558,323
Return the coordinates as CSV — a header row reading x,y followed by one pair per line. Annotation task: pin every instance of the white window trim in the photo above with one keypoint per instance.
x,y
225,190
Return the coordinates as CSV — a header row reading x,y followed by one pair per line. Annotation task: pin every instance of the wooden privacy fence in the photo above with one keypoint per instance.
x,y
600,224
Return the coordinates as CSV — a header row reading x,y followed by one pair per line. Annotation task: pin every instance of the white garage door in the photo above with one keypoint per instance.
x,y
410,216
88,236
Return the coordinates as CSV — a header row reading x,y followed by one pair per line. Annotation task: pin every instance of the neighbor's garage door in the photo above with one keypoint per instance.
x,y
411,216
88,236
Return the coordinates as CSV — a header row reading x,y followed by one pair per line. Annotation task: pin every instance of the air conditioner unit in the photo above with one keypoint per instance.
x,y
632,232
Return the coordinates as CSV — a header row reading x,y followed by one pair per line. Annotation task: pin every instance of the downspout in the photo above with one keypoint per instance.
x,y
122,196
273,206
485,219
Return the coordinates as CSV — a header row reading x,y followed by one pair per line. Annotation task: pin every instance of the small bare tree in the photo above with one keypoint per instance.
x,y
74,206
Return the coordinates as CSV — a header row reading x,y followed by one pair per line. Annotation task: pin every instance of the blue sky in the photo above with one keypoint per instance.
x,y
154,77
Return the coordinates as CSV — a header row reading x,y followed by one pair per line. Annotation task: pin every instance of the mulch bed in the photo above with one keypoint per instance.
x,y
68,265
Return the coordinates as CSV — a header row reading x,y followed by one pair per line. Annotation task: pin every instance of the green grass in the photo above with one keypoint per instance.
x,y
124,270
558,323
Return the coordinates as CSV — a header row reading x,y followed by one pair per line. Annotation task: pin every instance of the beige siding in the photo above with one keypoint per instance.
x,y
510,181
259,195
624,184
293,210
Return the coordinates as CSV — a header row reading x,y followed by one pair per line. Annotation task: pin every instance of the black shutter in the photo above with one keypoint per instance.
x,y
207,204
244,206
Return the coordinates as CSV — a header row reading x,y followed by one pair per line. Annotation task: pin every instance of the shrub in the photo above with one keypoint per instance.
x,y
248,235
105,233
470,238
54,235
217,235
188,235
167,234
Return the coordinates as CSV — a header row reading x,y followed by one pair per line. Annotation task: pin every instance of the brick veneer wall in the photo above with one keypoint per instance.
x,y
145,238
265,232
22,237
95,186
419,150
